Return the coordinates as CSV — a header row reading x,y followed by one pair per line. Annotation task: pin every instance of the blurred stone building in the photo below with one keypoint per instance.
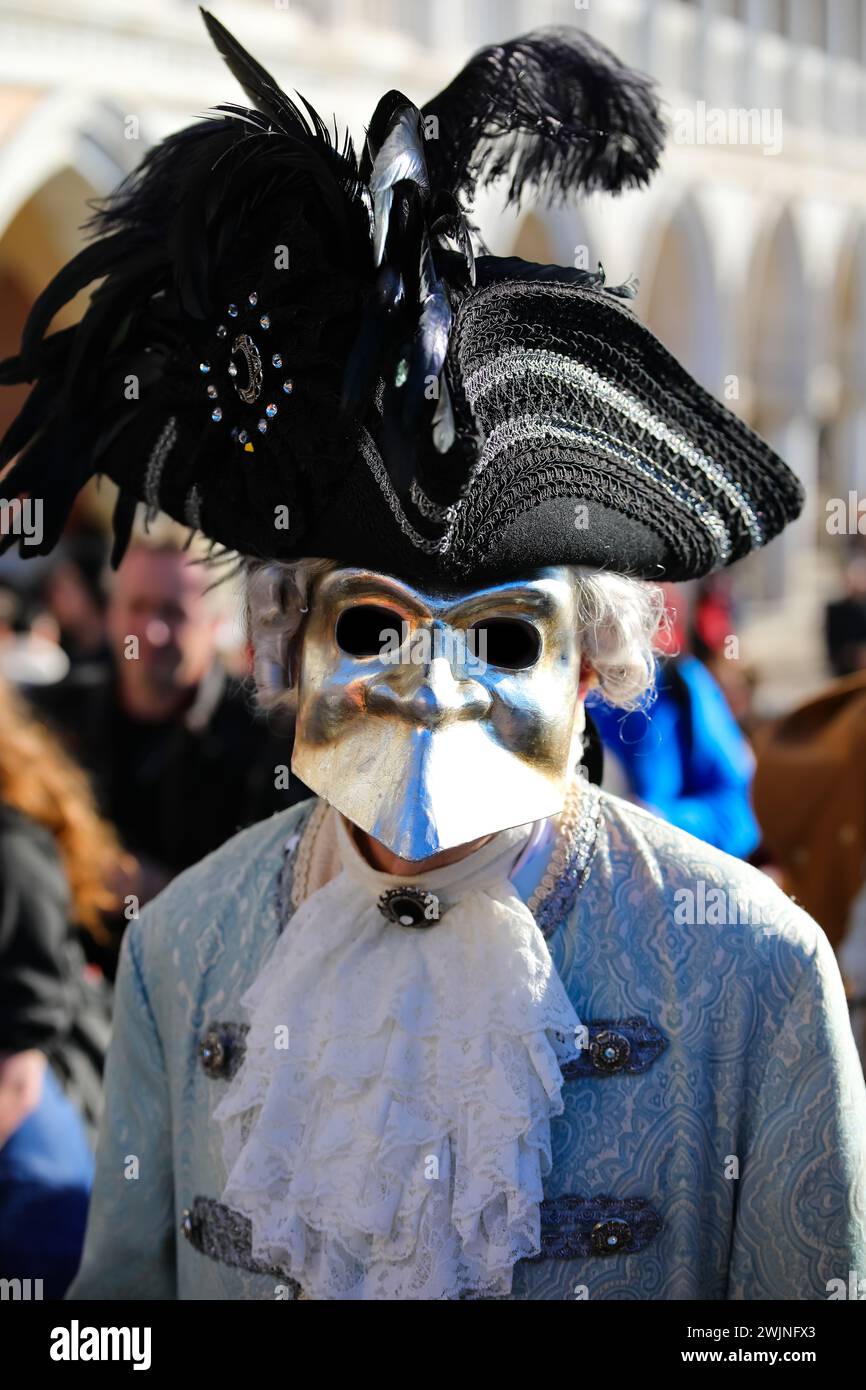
x,y
750,246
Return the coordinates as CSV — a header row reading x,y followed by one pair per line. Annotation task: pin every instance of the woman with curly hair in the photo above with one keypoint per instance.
x,y
56,856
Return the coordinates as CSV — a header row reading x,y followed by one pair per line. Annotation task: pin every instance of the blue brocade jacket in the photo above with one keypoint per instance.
x,y
713,1143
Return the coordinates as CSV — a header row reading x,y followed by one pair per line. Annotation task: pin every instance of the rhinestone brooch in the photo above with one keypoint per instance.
x,y
410,907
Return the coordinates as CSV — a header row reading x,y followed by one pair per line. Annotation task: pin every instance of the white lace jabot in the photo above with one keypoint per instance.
x,y
388,1131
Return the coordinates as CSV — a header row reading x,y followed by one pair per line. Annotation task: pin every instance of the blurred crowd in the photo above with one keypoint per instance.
x,y
130,748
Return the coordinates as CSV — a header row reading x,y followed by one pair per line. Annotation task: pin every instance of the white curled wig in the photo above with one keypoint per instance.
x,y
619,619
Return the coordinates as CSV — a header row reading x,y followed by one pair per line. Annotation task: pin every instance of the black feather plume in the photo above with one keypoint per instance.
x,y
260,87
555,110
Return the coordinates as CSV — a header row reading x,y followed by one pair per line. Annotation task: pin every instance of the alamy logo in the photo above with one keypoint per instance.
x,y
20,1290
717,907
846,516
853,1287
736,125
22,518
76,1343
460,649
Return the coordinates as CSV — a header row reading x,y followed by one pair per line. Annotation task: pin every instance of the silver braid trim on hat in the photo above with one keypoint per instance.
x,y
556,366
429,509
374,462
155,464
526,429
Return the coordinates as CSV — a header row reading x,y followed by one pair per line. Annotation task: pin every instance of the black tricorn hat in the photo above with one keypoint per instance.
x,y
296,351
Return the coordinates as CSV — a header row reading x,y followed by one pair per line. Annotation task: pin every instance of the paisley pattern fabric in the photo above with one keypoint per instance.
x,y
742,1132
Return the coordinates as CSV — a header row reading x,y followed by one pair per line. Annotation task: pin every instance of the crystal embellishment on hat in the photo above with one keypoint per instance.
x,y
410,907
246,369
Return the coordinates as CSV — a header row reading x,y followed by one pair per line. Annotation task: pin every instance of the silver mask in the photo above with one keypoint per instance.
x,y
433,719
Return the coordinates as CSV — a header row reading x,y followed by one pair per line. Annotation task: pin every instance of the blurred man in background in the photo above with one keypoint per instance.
x,y
178,760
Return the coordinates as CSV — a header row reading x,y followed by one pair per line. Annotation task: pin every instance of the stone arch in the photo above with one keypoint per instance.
x,y
37,239
779,322
679,297
63,133
553,236
779,349
36,242
61,154
846,368
533,241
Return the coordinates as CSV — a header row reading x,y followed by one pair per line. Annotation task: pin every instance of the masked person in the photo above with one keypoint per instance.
x,y
460,1025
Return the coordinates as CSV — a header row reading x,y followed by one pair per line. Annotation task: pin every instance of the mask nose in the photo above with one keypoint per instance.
x,y
428,693
439,699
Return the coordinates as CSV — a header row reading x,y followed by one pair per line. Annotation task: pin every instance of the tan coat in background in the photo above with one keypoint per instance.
x,y
810,799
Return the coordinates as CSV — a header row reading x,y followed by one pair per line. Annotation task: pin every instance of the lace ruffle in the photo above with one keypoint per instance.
x,y
395,1148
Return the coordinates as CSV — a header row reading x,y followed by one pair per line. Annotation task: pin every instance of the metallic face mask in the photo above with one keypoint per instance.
x,y
433,719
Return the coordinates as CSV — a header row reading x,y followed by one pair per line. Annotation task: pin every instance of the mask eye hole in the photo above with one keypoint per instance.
x,y
359,629
510,643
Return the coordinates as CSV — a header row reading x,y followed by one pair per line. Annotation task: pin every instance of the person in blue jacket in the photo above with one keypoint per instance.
x,y
684,756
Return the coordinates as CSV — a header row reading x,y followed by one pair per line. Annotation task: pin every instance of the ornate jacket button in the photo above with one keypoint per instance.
x,y
611,1236
573,1226
617,1045
213,1052
186,1225
609,1051
222,1049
